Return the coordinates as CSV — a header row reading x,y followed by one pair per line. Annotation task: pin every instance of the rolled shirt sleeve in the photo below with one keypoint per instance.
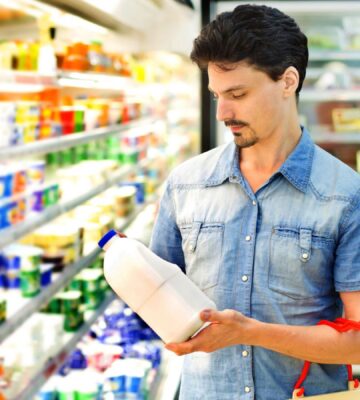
x,y
347,262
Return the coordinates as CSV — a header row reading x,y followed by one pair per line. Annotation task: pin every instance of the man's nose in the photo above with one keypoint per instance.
x,y
224,111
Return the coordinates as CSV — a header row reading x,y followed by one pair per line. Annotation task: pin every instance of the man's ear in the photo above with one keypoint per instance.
x,y
290,80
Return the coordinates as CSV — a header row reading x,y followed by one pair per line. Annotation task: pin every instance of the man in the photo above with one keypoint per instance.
x,y
267,226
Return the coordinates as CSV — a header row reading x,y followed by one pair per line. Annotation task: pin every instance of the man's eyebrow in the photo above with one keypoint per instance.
x,y
230,89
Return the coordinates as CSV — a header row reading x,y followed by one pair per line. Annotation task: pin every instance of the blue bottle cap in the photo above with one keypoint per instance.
x,y
106,238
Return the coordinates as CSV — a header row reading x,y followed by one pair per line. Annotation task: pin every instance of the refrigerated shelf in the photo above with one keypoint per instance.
x,y
308,95
334,55
54,363
32,81
29,306
64,142
11,234
336,137
92,81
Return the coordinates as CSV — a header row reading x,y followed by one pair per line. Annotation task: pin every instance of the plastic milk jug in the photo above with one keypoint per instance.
x,y
164,297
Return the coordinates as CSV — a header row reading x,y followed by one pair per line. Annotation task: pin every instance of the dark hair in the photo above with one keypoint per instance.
x,y
262,36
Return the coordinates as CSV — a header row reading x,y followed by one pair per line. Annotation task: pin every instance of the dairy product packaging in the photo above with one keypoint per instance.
x,y
164,297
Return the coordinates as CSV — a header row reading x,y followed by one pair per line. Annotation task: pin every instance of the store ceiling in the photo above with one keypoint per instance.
x,y
118,15
88,11
125,25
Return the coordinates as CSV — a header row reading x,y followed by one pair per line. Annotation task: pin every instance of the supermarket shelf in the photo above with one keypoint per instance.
x,y
313,73
32,81
337,138
34,304
25,81
15,232
66,141
54,363
164,386
95,81
309,95
338,55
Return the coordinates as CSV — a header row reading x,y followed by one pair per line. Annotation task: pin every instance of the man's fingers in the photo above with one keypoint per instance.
x,y
215,316
208,315
180,348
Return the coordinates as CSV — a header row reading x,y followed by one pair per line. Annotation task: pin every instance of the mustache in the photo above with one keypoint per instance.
x,y
235,122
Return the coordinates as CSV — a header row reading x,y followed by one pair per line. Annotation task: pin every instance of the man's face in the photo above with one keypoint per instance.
x,y
249,102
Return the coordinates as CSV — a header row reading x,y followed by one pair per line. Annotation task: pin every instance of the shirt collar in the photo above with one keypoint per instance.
x,y
296,168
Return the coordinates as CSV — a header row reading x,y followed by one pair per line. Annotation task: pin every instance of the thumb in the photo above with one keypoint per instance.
x,y
211,316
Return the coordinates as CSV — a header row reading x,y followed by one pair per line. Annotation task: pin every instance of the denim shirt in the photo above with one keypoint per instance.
x,y
281,255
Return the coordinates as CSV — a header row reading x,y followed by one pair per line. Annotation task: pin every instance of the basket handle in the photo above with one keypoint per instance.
x,y
341,325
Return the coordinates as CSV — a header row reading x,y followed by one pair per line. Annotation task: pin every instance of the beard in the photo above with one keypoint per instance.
x,y
247,137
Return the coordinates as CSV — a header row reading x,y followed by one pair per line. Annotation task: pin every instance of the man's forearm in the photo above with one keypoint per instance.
x,y
320,344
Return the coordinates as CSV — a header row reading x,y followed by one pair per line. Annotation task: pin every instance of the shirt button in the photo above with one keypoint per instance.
x,y
248,238
245,353
247,389
244,278
305,256
254,203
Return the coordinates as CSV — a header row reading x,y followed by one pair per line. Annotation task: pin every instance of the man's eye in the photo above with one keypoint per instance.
x,y
238,96
214,97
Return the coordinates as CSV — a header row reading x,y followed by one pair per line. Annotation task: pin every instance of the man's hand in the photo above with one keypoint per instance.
x,y
320,344
227,328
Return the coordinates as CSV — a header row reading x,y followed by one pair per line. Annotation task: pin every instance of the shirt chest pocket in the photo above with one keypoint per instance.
x,y
301,262
202,246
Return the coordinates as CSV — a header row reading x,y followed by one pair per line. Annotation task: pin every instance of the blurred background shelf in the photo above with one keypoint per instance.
x,y
17,231
54,363
45,146
314,95
334,55
336,138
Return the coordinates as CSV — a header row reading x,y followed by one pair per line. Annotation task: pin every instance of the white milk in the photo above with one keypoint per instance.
x,y
164,297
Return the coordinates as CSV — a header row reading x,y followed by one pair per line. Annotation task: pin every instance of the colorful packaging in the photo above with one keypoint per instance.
x,y
346,119
46,274
35,173
51,194
70,301
6,182
2,310
8,213
22,265
73,320
139,185
30,281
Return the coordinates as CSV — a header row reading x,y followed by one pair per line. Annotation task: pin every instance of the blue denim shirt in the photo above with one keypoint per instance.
x,y
281,255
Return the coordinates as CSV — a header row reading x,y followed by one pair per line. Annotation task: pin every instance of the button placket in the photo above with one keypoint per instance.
x,y
305,244
248,242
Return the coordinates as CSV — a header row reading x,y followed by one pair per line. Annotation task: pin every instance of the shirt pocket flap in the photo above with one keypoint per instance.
x,y
202,244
